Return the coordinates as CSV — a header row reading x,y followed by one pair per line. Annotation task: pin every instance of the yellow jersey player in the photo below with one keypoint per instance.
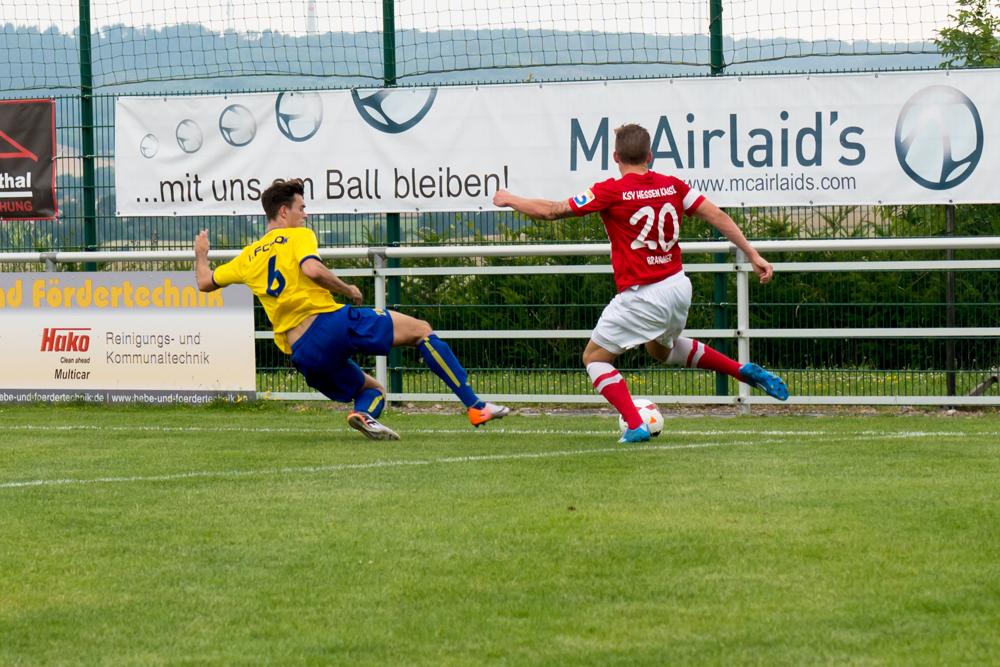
x,y
285,272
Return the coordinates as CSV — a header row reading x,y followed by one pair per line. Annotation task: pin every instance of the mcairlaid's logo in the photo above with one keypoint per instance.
x,y
939,137
237,125
62,339
189,136
299,114
393,110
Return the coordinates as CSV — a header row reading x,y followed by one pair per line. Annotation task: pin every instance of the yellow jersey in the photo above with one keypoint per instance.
x,y
270,268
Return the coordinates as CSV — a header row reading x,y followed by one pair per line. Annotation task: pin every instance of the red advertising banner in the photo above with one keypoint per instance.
x,y
27,159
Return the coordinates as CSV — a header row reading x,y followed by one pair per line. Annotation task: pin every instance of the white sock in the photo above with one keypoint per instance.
x,y
686,352
601,374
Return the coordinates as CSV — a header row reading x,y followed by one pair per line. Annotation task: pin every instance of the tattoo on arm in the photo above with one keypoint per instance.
x,y
560,209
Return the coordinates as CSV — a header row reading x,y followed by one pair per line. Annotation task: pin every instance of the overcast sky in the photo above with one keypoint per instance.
x,y
847,20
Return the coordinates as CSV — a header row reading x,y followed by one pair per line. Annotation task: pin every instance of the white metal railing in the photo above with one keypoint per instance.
x,y
742,333
50,259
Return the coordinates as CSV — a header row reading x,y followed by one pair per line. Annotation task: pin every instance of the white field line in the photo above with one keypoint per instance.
x,y
373,464
862,435
466,431
487,430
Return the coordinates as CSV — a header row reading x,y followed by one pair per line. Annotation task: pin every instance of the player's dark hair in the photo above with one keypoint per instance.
x,y
632,144
281,193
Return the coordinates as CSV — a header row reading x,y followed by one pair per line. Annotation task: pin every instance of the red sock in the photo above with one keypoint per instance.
x,y
714,361
695,354
611,385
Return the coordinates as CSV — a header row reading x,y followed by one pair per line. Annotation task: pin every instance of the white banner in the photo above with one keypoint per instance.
x,y
890,138
124,338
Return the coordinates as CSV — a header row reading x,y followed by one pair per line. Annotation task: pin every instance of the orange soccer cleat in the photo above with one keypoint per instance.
x,y
486,413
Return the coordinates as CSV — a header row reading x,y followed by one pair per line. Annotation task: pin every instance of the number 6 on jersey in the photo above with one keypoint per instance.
x,y
274,276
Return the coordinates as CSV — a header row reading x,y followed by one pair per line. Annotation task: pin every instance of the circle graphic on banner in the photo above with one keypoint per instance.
x,y
149,146
299,114
394,111
939,137
189,136
237,125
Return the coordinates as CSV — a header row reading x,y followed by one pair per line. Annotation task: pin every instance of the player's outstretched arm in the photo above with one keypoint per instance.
x,y
202,271
719,219
540,209
324,277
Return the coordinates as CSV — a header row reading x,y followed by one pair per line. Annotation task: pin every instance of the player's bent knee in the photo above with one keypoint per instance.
x,y
409,331
595,352
658,351
417,332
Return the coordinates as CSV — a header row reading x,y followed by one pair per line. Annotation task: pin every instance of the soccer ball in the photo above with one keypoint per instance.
x,y
649,413
393,110
237,125
189,136
299,114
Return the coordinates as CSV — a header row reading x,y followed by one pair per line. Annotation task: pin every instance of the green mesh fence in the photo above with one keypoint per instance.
x,y
446,40
168,48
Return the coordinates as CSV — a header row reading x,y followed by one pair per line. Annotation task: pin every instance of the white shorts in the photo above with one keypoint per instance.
x,y
643,313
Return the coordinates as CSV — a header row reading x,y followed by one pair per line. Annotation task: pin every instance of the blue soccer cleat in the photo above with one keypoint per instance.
x,y
640,434
769,383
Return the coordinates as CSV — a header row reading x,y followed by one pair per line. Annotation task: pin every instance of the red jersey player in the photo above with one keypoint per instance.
x,y
642,213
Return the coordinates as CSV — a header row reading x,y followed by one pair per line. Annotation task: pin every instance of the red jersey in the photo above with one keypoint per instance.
x,y
642,215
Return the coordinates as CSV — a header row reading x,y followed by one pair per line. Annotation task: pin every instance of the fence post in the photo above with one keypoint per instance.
x,y
377,256
395,377
949,230
392,284
715,36
743,323
719,296
87,136
721,321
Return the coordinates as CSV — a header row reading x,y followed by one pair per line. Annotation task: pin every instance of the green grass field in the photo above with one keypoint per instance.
x,y
260,535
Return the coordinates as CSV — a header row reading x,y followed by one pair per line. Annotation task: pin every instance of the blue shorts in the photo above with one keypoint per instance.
x,y
323,353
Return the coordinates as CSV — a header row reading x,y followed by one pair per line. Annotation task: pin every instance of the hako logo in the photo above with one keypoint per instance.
x,y
939,137
237,125
299,114
65,340
189,136
394,111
